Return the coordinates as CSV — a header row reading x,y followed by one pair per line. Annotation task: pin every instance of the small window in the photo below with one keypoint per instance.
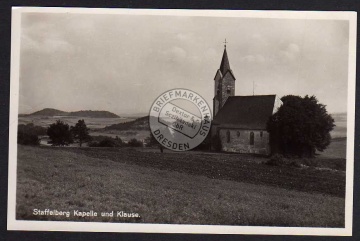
x,y
228,136
261,134
238,134
228,90
218,92
252,138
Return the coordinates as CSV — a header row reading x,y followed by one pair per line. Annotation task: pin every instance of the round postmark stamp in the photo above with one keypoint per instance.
x,y
180,119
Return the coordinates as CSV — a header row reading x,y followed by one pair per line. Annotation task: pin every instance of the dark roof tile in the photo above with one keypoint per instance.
x,y
246,112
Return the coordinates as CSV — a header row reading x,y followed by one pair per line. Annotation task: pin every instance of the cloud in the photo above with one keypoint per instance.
x,y
259,40
81,26
178,52
51,34
256,58
291,52
294,48
184,37
211,53
174,54
49,45
288,54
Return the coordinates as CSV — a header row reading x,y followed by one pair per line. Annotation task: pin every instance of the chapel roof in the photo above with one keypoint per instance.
x,y
246,112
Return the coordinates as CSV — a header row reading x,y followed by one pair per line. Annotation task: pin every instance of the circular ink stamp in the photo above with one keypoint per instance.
x,y
180,119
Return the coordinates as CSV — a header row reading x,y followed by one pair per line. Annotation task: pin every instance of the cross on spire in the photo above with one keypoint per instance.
x,y
225,65
225,43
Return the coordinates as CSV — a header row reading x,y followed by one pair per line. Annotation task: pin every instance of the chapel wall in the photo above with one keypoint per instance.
x,y
240,141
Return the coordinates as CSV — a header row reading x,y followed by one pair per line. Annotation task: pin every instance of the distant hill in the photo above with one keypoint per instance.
x,y
48,112
94,114
138,124
134,115
82,113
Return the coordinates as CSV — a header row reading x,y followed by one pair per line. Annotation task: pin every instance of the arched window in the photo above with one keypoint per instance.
x,y
228,136
252,138
261,134
238,134
228,89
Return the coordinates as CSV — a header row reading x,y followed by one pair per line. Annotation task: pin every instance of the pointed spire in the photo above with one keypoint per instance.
x,y
225,65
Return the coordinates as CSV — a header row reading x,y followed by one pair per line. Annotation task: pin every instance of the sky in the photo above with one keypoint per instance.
x,y
122,63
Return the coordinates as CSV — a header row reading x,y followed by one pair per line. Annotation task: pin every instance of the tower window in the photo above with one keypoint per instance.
x,y
228,136
252,138
228,90
261,134
238,134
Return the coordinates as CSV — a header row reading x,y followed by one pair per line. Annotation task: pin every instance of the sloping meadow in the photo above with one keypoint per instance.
x,y
78,180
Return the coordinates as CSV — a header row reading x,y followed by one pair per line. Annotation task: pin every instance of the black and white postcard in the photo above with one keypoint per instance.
x,y
182,121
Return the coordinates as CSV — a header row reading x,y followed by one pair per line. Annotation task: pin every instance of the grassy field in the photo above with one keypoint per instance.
x,y
234,167
336,149
187,188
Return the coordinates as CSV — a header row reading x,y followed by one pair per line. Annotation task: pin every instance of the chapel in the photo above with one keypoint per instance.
x,y
240,121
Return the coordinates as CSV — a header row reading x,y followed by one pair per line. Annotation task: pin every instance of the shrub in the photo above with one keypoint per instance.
x,y
28,139
310,162
135,143
93,143
280,160
151,141
32,129
276,160
108,142
105,141
294,163
28,134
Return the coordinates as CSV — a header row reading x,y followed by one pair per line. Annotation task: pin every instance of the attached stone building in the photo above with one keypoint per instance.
x,y
240,121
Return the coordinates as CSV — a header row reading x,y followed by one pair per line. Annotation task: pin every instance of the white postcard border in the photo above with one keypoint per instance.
x,y
13,224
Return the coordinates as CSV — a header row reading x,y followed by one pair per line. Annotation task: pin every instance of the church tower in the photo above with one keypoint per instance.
x,y
224,83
